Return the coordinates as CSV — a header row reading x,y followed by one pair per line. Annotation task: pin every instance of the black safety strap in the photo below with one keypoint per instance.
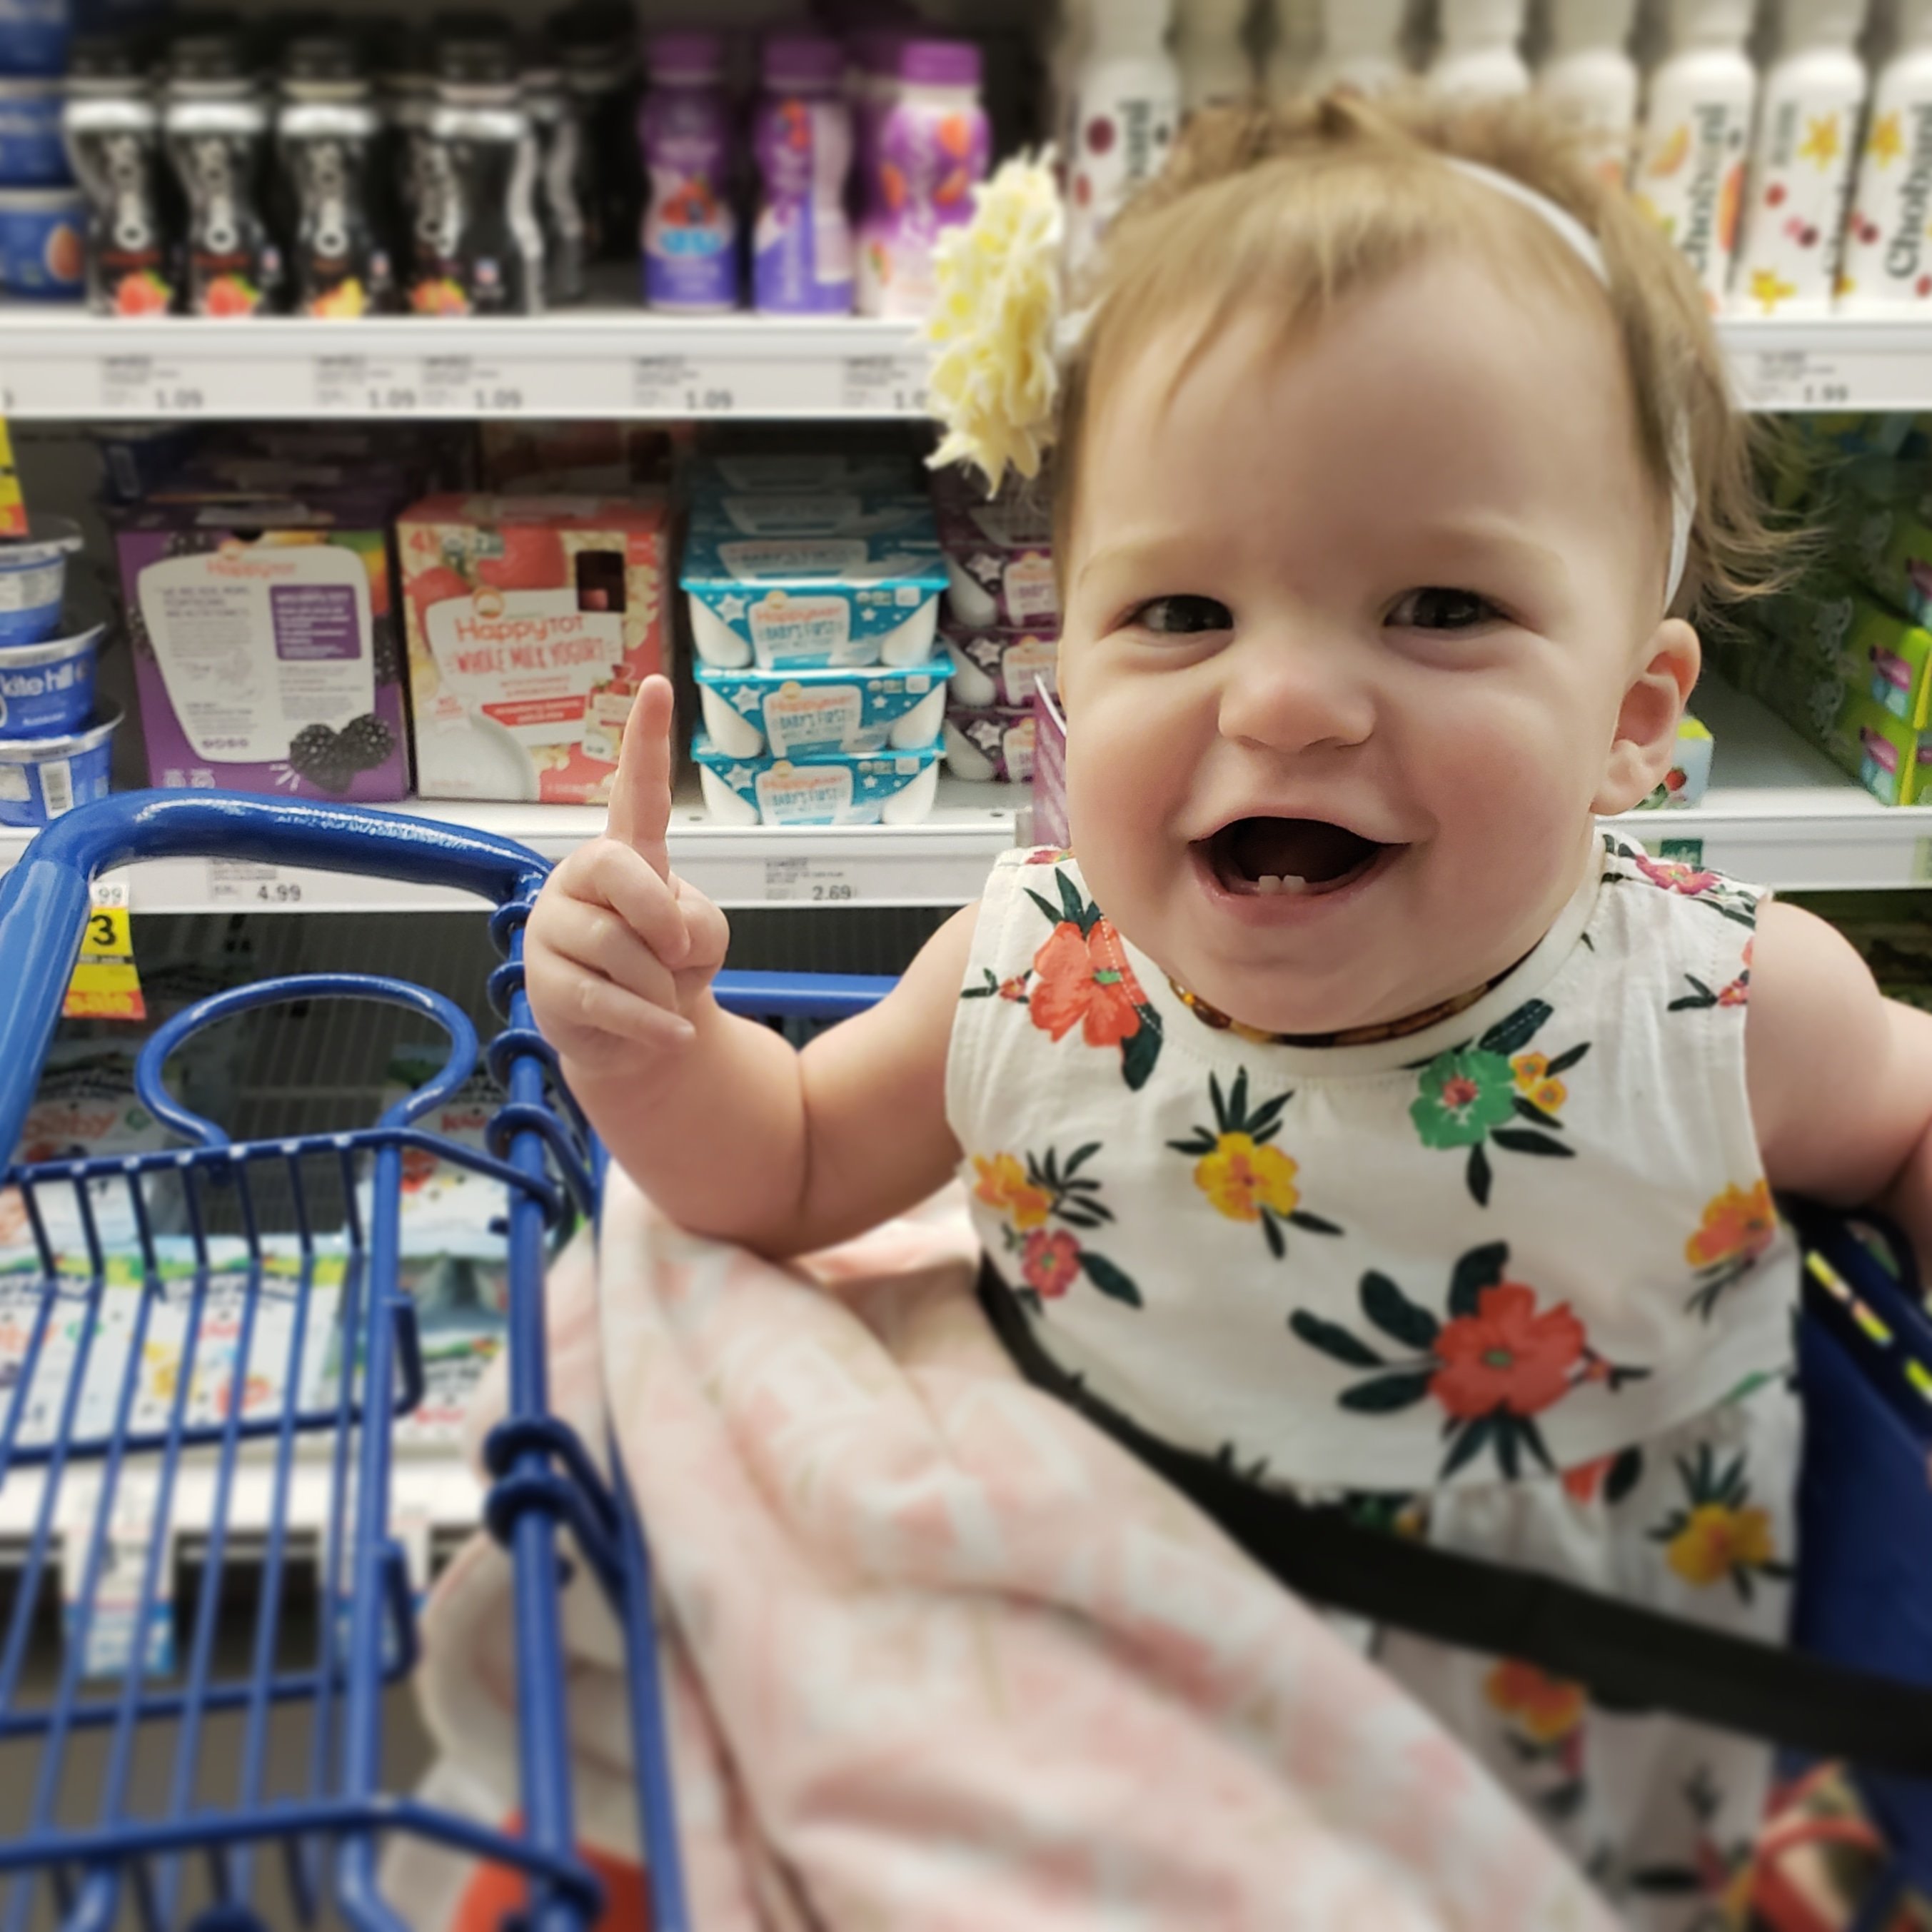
x,y
1629,1658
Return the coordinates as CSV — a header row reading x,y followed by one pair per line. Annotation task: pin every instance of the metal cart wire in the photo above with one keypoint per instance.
x,y
104,1442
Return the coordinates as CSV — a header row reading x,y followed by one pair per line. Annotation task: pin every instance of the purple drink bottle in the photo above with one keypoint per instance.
x,y
934,144
802,245
684,131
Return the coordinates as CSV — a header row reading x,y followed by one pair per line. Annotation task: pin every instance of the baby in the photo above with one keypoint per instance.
x,y
1351,1109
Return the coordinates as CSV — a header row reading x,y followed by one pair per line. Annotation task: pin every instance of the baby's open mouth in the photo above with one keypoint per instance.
x,y
1290,855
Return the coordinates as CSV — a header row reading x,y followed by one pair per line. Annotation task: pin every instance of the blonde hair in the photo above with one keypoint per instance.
x,y
1301,206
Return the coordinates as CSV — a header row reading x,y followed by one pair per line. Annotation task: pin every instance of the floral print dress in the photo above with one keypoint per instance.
x,y
1513,1283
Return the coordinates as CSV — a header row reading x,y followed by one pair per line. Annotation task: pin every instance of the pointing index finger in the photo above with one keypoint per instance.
x,y
640,793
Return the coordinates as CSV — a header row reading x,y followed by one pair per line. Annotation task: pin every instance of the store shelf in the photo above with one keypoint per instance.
x,y
59,365
943,862
1779,813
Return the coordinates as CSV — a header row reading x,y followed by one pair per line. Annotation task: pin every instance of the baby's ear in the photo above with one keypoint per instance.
x,y
1645,746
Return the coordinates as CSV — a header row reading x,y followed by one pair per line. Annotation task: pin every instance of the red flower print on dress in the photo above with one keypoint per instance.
x,y
1674,876
1497,1363
1083,980
1739,1227
1507,1355
1050,1260
1080,977
1735,992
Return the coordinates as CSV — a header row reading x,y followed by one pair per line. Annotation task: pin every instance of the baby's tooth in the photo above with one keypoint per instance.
x,y
1268,883
1289,882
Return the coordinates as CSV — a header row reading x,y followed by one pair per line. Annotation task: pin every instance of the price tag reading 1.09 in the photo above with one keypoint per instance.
x,y
236,882
675,385
360,384
886,385
144,385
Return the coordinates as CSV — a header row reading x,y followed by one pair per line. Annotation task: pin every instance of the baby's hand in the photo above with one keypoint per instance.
x,y
620,953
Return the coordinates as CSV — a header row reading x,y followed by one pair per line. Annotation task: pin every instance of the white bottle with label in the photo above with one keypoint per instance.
x,y
1296,48
1590,79
1211,49
1887,267
1801,174
1479,57
1689,174
1126,108
1361,47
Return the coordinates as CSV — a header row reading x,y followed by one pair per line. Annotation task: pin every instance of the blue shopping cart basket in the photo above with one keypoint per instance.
x,y
80,1422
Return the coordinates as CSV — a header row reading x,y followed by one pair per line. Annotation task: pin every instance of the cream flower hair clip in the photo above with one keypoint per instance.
x,y
996,325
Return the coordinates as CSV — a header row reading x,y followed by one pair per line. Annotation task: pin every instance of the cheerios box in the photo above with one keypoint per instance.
x,y
265,653
533,621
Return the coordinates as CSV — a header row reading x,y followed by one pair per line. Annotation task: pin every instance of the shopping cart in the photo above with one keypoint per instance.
x,y
106,1452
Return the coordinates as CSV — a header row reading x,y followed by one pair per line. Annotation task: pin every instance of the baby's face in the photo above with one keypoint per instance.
x,y
1363,617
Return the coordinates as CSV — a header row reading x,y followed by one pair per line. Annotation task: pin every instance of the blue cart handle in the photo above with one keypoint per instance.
x,y
44,900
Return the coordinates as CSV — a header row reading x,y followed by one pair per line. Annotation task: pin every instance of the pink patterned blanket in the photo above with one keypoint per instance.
x,y
939,1656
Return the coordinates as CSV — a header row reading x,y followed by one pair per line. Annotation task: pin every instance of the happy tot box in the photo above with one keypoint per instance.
x,y
533,621
265,647
794,581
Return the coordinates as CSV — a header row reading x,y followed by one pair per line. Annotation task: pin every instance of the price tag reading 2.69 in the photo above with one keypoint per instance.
x,y
809,882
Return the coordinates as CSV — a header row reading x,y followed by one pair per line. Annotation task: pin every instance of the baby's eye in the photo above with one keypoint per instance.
x,y
1436,607
1181,616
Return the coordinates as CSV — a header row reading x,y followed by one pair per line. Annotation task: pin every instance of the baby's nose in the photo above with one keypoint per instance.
x,y
1292,691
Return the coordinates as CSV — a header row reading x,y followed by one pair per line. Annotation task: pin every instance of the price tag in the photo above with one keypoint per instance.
x,y
105,985
13,508
1796,379
241,882
892,385
810,881
461,385
676,386
363,385
144,385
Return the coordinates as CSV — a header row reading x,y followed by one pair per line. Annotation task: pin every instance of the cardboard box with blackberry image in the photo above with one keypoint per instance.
x,y
267,653
533,621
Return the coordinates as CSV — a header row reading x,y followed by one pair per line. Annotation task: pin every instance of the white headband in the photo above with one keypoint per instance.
x,y
1584,245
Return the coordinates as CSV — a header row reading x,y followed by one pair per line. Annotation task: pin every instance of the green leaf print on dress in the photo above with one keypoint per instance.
x,y
1496,1364
1244,1175
1466,1095
1029,1195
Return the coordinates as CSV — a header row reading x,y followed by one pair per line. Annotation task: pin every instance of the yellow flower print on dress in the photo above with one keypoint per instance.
x,y
1545,1708
1243,1174
1030,1194
1002,1185
1719,1535
1536,1083
1738,1227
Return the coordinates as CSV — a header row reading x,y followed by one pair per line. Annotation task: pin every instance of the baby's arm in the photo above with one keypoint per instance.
x,y
729,1129
1840,1077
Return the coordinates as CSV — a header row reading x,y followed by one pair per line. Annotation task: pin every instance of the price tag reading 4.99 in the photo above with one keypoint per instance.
x,y
238,882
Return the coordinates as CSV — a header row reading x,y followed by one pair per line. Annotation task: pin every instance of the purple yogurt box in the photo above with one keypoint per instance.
x,y
999,554
266,653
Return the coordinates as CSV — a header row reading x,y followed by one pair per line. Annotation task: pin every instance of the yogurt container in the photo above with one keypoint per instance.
x,y
41,251
35,34
768,582
32,152
41,778
999,554
33,578
992,745
802,713
835,788
1000,668
47,690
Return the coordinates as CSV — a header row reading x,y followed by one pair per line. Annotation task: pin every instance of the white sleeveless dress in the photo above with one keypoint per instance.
x,y
1514,1283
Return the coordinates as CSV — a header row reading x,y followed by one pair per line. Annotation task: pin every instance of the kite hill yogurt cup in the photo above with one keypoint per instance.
x,y
47,690
33,580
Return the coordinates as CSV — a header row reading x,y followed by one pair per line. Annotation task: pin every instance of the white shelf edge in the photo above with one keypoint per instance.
x,y
59,365
942,862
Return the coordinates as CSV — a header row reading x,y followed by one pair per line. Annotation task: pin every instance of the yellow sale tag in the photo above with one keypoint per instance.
x,y
12,507
105,986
